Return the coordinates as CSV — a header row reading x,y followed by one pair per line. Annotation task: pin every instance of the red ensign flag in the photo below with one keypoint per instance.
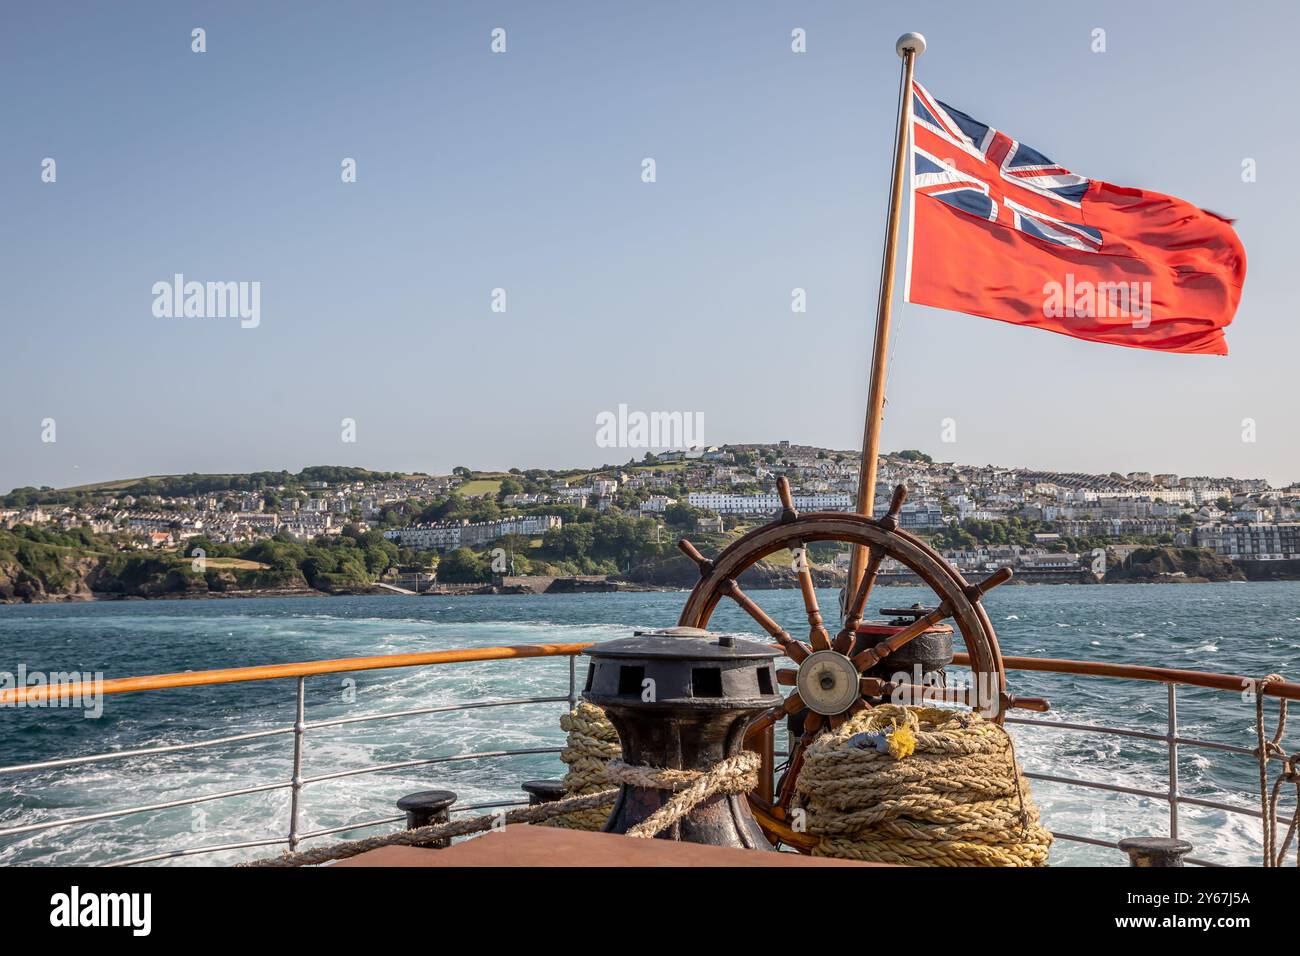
x,y
1001,231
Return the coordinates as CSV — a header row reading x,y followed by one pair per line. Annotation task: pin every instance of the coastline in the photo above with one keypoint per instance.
x,y
91,581
487,590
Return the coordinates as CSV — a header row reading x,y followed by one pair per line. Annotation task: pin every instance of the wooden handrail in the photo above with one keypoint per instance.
x,y
236,675
1166,675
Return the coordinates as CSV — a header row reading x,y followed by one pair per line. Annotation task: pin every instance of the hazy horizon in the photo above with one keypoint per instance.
x,y
522,171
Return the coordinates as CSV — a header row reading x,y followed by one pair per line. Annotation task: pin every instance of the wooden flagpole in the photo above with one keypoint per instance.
x,y
909,47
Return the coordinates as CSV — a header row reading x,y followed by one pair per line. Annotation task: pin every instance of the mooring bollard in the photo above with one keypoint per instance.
x,y
543,791
1155,851
682,703
427,808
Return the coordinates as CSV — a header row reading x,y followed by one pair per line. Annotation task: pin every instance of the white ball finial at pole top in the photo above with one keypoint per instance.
x,y
910,41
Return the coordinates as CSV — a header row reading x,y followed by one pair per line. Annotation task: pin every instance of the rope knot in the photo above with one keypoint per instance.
x,y
1291,771
732,775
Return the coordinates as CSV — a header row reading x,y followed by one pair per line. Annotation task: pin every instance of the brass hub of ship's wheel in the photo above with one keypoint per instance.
x,y
829,684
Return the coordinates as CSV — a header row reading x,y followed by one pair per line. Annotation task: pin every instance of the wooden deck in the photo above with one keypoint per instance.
x,y
534,846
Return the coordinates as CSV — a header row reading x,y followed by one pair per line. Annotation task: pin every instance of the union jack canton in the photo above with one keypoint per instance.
x,y
995,177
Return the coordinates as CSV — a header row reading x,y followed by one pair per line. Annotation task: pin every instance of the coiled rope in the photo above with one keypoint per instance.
x,y
920,786
591,744
917,786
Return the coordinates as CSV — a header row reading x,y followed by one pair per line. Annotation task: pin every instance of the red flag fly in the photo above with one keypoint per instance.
x,y
999,230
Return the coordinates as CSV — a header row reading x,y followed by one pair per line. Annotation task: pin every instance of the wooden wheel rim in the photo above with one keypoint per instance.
x,y
943,579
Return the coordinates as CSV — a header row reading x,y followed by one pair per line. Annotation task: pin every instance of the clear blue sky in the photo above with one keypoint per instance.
x,y
522,171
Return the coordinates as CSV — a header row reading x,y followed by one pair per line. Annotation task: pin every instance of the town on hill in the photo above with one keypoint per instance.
x,y
330,529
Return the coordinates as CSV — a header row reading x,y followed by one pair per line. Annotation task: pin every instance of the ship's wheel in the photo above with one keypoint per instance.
x,y
830,683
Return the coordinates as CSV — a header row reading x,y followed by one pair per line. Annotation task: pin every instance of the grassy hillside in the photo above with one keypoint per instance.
x,y
479,488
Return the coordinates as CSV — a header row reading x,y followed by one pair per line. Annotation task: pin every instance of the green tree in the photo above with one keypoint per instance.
x,y
463,566
570,541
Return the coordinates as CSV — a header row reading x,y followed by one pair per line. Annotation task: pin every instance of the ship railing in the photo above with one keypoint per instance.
x,y
300,672
1172,739
298,781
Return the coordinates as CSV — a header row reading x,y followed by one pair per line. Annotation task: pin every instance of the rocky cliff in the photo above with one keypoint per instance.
x,y
62,577
1171,566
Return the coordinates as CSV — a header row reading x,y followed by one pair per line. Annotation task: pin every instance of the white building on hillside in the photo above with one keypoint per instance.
x,y
765,504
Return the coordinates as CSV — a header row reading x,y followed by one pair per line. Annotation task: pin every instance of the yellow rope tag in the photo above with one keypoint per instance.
x,y
902,742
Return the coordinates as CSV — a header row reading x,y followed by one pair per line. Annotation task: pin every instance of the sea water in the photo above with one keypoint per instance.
x,y
1249,629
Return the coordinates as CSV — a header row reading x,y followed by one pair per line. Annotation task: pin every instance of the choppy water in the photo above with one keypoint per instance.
x,y
1251,629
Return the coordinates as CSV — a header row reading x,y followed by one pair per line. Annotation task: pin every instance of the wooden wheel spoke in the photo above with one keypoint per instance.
x,y
1039,705
793,703
788,512
812,724
977,591
765,720
873,687
934,693
853,613
786,789
818,636
889,522
787,677
704,564
874,655
764,620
